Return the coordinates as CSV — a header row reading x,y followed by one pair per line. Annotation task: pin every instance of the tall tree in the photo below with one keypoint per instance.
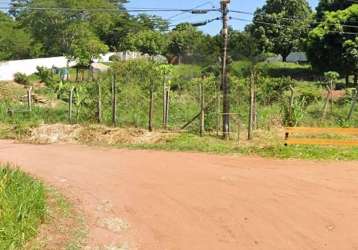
x,y
15,43
331,5
280,26
149,42
84,45
329,44
126,25
185,39
48,25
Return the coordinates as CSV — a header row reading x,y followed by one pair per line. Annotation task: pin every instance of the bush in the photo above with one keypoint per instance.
x,y
115,58
44,74
293,70
22,79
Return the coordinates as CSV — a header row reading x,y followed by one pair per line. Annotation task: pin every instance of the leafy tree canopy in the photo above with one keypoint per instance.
x,y
15,43
331,5
280,25
149,42
332,45
84,44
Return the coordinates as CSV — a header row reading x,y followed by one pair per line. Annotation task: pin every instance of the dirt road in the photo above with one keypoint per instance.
x,y
178,201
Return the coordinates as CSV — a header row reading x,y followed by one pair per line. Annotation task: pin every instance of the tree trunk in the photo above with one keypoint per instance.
x,y
347,80
150,112
284,57
77,74
114,101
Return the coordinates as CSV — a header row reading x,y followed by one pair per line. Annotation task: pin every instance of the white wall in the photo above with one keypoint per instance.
x,y
10,68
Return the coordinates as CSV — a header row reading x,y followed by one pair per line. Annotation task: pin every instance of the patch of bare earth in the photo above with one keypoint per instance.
x,y
98,135
64,226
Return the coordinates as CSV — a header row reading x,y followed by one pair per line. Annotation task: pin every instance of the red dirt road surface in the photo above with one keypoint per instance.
x,y
173,201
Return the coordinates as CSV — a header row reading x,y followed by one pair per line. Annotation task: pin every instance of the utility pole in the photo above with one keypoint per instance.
x,y
224,78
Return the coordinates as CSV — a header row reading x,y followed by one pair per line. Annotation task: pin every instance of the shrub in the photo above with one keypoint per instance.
x,y
115,58
22,79
44,74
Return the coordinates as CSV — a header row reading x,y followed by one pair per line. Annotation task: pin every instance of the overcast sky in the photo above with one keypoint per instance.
x,y
213,28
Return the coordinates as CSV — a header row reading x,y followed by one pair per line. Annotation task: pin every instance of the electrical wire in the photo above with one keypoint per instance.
x,y
284,26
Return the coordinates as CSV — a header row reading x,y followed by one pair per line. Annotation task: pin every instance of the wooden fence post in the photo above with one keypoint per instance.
x,y
150,111
29,99
218,110
70,108
114,101
325,107
202,109
164,103
251,113
99,103
167,105
354,101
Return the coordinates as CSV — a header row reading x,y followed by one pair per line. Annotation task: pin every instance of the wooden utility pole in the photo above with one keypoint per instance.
x,y
224,77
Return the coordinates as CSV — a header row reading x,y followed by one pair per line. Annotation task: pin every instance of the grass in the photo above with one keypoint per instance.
x,y
35,217
209,144
22,207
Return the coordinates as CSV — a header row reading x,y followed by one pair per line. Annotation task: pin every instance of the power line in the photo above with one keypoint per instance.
x,y
113,9
285,18
198,6
284,26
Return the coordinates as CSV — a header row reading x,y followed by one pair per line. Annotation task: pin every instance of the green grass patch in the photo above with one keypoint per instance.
x,y
22,207
193,143
210,144
305,152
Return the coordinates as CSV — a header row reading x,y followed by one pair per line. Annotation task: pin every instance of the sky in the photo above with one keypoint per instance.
x,y
212,28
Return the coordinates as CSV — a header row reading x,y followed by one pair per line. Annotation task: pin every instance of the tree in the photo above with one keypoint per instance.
x,y
185,39
280,26
125,26
148,42
242,45
48,26
328,44
15,43
84,45
331,5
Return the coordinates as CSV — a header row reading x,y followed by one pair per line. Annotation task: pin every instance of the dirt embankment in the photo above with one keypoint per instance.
x,y
98,135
